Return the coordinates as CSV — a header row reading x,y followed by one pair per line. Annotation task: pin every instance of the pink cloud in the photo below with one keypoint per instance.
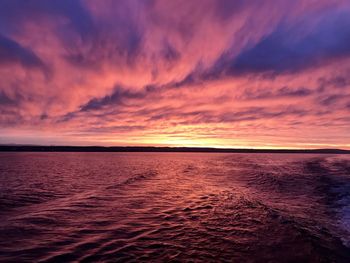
x,y
214,73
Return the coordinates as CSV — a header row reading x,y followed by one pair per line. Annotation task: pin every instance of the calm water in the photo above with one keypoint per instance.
x,y
62,207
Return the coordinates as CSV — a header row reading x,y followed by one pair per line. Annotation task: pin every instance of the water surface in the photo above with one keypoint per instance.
x,y
174,206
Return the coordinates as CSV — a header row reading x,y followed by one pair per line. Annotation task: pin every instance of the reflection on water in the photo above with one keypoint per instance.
x,y
174,206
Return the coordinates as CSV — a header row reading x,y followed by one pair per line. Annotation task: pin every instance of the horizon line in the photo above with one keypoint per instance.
x,y
96,148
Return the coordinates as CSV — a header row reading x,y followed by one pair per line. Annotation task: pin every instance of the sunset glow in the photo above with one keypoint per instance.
x,y
203,73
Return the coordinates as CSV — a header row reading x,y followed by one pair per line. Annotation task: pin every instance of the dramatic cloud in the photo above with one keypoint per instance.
x,y
287,48
12,52
197,73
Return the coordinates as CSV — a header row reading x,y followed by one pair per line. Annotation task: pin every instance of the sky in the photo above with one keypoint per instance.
x,y
213,73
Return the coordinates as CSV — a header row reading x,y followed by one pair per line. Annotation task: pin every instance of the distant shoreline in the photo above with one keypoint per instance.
x,y
27,148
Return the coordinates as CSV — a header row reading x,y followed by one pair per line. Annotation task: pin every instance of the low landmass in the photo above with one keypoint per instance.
x,y
37,148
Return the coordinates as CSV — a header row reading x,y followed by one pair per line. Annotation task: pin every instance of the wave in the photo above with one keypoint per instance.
x,y
242,207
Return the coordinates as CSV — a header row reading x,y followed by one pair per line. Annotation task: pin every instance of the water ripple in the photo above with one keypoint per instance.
x,y
174,207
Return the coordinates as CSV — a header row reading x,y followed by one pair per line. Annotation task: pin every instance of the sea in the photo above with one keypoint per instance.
x,y
174,207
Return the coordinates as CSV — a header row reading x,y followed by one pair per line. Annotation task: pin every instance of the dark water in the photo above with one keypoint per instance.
x,y
63,207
